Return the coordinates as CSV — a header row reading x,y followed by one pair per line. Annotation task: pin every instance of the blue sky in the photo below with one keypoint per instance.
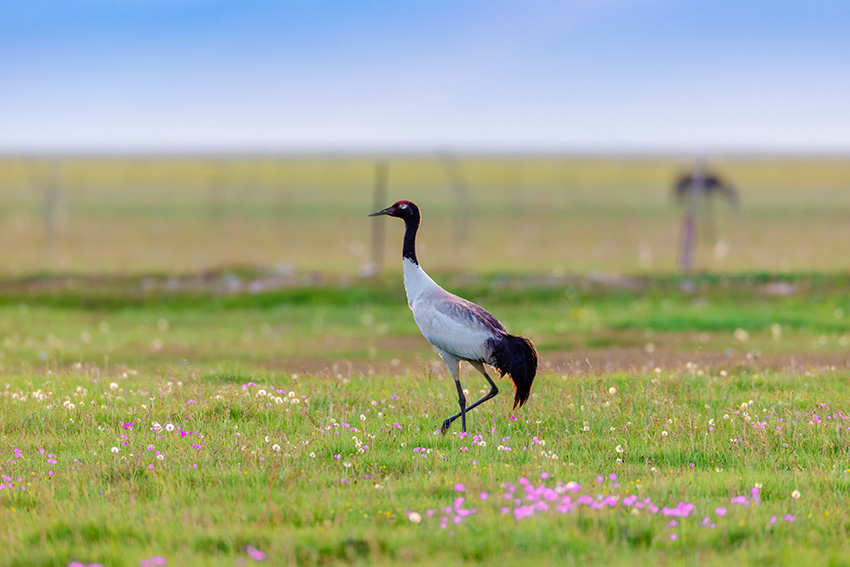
x,y
525,75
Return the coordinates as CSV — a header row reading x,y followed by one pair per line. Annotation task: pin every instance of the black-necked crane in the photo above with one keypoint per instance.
x,y
459,329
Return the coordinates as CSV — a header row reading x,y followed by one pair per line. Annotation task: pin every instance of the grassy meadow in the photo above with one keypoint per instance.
x,y
300,426
196,374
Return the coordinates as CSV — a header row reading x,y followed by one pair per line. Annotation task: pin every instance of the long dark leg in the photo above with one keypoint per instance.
x,y
453,365
494,391
461,401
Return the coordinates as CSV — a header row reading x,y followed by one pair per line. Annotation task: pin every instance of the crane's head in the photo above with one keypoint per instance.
x,y
402,209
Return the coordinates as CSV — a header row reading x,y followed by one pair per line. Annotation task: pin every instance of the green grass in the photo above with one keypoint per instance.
x,y
154,322
92,321
293,503
119,355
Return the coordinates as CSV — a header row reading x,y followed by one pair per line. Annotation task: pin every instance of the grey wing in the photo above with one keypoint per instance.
x,y
473,314
458,327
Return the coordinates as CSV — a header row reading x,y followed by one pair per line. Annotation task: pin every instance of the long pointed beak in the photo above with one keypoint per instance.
x,y
386,211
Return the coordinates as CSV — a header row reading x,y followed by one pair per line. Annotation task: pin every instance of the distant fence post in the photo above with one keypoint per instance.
x,y
709,224
215,192
216,213
460,190
688,228
49,212
378,228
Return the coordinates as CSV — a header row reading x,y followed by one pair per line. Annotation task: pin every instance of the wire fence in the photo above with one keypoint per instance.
x,y
549,213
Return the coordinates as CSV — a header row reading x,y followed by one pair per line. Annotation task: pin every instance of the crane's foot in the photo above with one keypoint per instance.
x,y
445,427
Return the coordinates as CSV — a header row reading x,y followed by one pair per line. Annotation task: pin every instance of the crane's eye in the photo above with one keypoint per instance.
x,y
404,205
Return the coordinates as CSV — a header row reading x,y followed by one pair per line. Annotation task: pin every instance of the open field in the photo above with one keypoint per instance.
x,y
544,214
666,426
192,368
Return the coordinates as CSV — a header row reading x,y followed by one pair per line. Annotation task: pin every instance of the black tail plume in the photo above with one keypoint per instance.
x,y
517,357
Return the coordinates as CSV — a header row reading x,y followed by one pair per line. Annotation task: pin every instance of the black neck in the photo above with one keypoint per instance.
x,y
411,223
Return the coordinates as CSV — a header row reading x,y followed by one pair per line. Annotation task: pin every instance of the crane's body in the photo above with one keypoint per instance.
x,y
459,329
448,322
